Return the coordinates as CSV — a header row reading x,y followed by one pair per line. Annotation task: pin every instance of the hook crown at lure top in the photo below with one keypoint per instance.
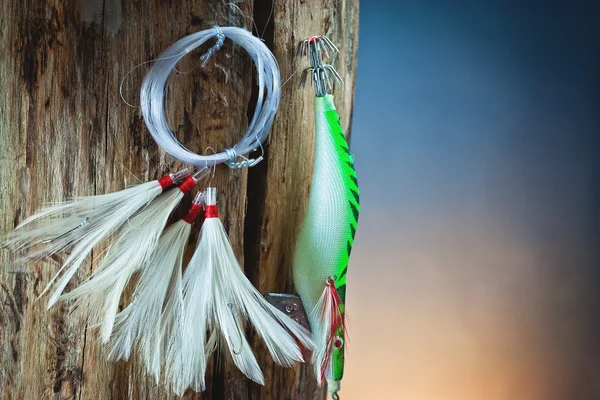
x,y
327,233
314,48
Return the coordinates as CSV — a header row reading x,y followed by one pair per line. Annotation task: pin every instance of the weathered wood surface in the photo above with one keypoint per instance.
x,y
65,131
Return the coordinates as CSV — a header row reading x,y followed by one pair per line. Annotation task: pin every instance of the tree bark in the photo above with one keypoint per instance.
x,y
65,131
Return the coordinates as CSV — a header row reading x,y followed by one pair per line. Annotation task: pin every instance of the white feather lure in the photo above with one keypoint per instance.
x,y
143,324
81,224
217,296
135,243
87,219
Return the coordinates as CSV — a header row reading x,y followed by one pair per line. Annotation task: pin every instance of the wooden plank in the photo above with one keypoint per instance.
x,y
47,124
65,131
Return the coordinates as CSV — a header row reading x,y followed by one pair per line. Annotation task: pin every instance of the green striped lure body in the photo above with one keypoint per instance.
x,y
325,241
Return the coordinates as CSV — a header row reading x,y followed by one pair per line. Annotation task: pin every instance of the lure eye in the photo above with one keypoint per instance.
x,y
339,342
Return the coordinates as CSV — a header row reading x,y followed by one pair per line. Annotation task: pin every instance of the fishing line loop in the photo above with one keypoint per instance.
x,y
152,96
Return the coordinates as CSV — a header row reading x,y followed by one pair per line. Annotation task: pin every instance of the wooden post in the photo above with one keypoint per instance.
x,y
65,131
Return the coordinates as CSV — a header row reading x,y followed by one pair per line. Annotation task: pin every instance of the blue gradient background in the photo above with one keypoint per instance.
x,y
475,269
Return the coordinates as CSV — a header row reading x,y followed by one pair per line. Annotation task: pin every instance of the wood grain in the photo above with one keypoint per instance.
x,y
65,131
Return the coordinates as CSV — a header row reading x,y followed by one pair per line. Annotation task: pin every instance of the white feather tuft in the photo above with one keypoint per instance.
x,y
99,296
60,227
81,224
218,296
105,218
142,321
64,225
171,329
186,359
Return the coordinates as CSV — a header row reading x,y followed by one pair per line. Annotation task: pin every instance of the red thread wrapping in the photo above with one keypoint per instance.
x,y
187,185
211,212
192,214
165,181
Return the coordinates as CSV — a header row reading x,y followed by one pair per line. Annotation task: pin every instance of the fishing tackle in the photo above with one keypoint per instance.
x,y
86,220
81,224
218,298
175,320
143,320
327,232
99,296
152,96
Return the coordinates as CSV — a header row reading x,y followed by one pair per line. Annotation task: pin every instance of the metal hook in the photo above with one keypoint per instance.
x,y
213,167
237,353
335,396
315,48
82,222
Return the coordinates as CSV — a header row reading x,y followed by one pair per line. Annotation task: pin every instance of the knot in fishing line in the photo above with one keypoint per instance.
x,y
153,93
246,163
231,155
218,44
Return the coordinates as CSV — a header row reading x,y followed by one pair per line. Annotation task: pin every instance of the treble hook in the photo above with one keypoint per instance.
x,y
314,48
335,396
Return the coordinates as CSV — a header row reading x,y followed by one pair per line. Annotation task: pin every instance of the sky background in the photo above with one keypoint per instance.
x,y
475,270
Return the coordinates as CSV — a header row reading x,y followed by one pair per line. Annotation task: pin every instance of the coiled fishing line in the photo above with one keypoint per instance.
x,y
152,96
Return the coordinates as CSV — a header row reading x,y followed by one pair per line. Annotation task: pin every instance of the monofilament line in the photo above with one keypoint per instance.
x,y
152,96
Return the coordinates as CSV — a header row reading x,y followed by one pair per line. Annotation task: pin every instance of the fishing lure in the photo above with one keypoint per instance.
x,y
145,321
99,296
327,232
217,299
82,223
173,320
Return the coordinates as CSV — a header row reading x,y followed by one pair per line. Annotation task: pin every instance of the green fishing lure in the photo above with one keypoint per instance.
x,y
327,233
